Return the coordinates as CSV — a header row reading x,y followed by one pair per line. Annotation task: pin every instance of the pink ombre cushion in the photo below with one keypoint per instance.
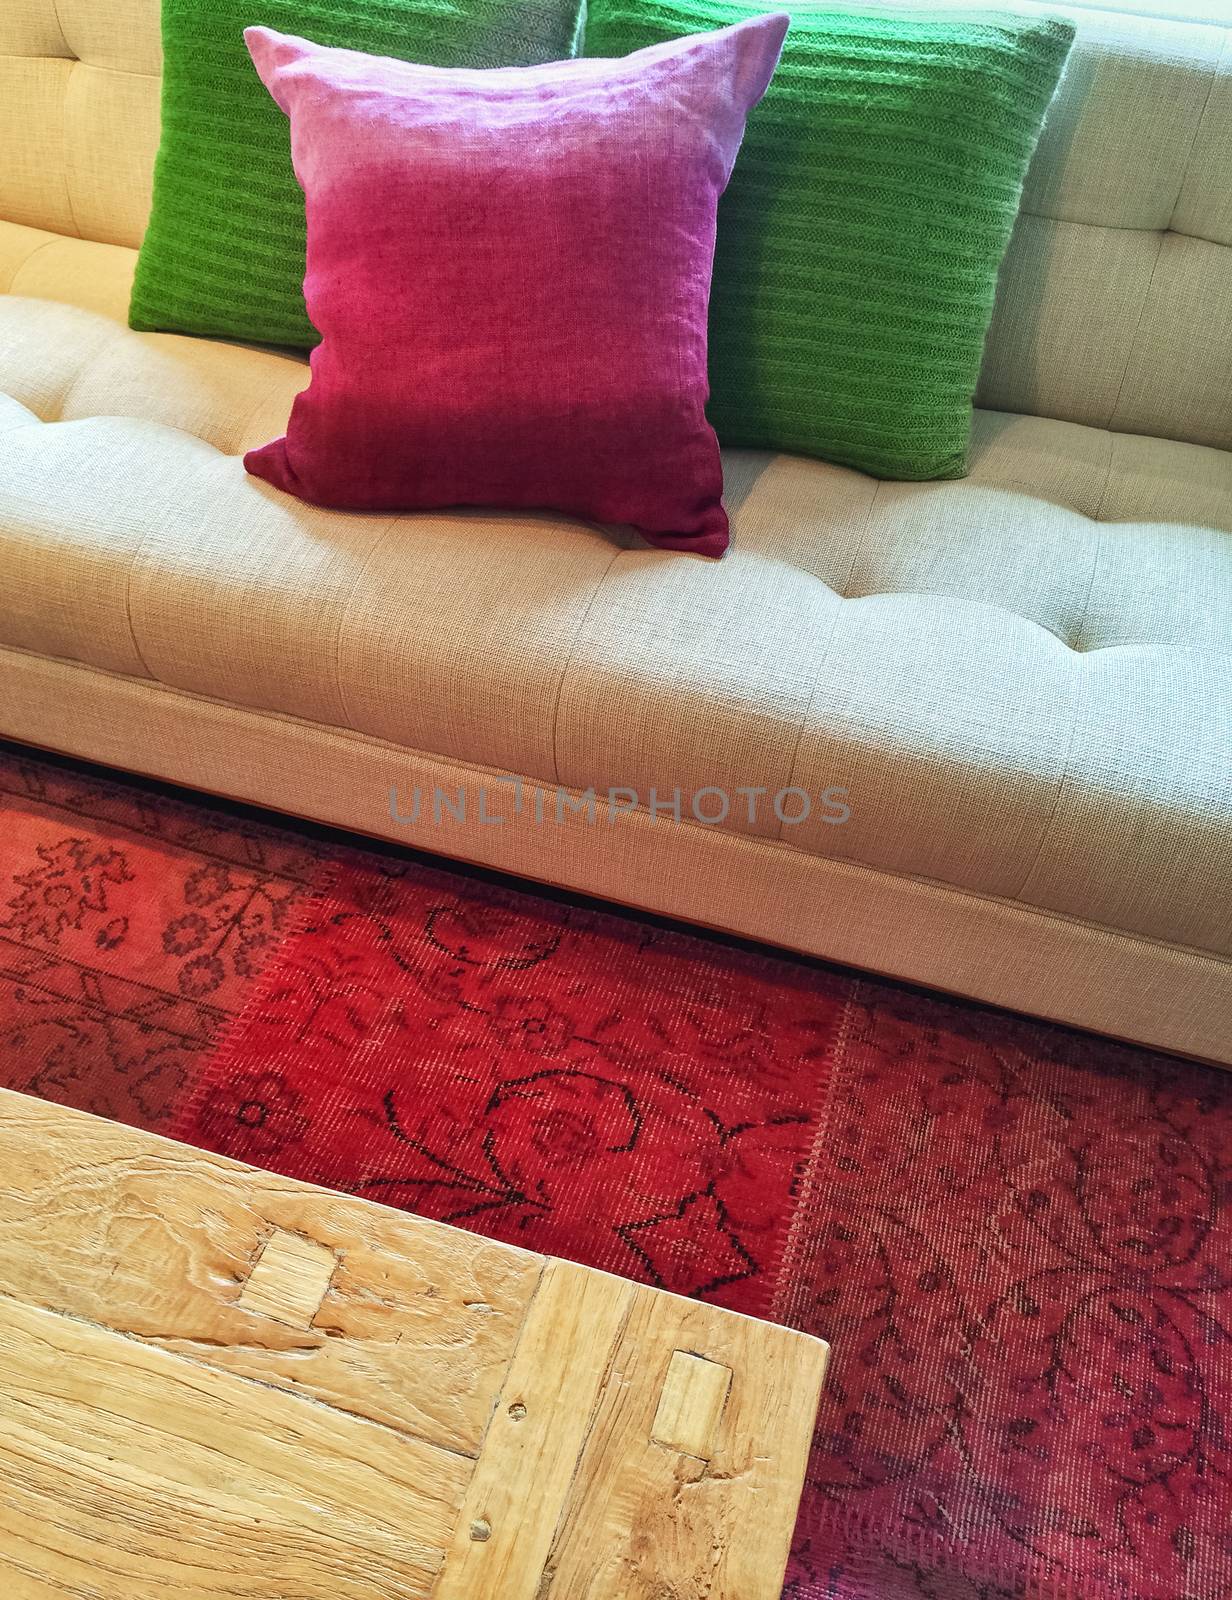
x,y
510,271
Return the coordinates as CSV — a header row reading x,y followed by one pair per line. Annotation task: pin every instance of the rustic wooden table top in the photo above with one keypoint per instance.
x,y
219,1382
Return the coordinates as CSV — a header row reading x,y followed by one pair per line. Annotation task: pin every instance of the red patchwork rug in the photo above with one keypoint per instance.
x,y
1017,1239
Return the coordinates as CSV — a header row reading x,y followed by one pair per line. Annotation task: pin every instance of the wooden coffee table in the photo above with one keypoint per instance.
x,y
215,1382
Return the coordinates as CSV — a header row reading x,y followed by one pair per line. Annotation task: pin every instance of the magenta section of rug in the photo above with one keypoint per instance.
x,y
1018,1240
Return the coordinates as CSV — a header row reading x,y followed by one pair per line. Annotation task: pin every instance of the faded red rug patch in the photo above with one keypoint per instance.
x,y
1017,1239
131,927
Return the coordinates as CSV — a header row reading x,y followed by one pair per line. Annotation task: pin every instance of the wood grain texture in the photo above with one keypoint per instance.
x,y
164,1476
415,1329
691,1405
643,1521
230,1386
574,1499
289,1279
531,1451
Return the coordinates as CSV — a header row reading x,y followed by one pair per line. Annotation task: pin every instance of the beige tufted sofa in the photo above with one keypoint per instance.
x,y
1023,681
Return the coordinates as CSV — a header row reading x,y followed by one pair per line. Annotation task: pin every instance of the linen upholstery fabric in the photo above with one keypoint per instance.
x,y
1115,306
79,96
431,649
1023,679
510,270
860,241
995,950
224,253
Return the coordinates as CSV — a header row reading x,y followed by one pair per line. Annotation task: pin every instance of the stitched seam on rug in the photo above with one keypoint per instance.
x,y
858,1528
795,1245
785,1249
971,1557
223,1057
360,851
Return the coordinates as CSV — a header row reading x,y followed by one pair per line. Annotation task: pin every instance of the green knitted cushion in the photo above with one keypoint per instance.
x,y
861,236
224,251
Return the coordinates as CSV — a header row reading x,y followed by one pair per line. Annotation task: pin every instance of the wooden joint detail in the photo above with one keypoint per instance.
x,y
289,1279
691,1405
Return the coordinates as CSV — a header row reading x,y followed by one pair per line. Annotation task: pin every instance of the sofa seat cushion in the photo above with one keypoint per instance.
x,y
1022,680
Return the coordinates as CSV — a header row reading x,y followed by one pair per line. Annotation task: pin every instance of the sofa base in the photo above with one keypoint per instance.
x,y
985,949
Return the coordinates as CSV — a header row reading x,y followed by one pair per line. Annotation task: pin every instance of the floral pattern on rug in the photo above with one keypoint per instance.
x,y
1019,1241
540,1072
131,927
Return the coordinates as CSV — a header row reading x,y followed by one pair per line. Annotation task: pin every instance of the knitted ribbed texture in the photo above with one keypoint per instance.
x,y
224,251
860,238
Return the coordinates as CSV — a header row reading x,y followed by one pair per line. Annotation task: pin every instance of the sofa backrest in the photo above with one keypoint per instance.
x,y
1115,303
79,92
1115,307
